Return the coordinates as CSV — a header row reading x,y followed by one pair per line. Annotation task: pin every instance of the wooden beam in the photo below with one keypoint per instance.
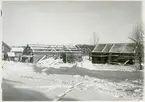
x,y
95,47
110,54
109,57
111,47
122,48
68,48
104,48
58,51
52,48
61,48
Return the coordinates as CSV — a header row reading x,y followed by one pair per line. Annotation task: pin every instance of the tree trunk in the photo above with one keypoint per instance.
x,y
89,56
140,62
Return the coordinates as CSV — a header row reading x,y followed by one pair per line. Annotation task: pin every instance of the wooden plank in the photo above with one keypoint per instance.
x,y
41,59
109,57
125,62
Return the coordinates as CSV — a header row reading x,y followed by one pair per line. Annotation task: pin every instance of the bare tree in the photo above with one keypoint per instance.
x,y
137,37
95,39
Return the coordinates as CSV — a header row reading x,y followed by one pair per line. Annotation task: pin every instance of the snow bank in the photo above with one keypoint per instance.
x,y
58,63
125,89
104,67
88,65
51,62
109,67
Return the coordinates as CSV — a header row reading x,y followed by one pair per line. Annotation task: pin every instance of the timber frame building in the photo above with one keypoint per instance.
x,y
35,52
114,53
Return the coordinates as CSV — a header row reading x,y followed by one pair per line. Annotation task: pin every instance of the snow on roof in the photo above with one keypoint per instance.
x,y
17,49
99,48
115,48
107,48
11,54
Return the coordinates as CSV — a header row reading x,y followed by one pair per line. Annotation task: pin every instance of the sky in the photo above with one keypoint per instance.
x,y
68,22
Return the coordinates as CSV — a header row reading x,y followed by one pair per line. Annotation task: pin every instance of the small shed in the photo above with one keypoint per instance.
x,y
114,52
11,56
18,50
35,52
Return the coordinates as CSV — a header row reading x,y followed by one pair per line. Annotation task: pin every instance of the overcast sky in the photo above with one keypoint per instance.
x,y
68,22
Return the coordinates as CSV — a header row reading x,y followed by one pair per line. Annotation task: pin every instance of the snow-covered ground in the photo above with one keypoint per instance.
x,y
22,72
58,63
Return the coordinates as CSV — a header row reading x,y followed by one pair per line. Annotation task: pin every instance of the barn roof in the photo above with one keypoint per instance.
x,y
4,44
53,48
115,48
107,48
99,48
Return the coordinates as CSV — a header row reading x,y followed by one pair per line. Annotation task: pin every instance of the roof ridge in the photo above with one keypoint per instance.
x,y
114,48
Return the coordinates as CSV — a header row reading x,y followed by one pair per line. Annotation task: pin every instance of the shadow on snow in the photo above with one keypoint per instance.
x,y
109,75
10,93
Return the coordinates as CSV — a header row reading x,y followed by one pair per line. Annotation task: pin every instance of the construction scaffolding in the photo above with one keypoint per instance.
x,y
38,51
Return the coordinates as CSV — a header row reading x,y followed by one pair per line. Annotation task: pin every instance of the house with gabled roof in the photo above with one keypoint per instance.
x,y
114,52
5,49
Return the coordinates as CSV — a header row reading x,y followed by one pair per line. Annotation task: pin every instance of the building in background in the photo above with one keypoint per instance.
x,y
11,56
18,51
114,53
5,49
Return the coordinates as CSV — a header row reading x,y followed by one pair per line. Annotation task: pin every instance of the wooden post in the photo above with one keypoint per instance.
x,y
66,58
101,58
109,57
89,56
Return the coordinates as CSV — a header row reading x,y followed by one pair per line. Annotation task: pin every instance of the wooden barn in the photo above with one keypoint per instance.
x,y
114,53
35,52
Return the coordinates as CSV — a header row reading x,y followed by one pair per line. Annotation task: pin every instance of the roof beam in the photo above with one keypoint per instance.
x,y
111,47
57,51
104,48
123,48
95,47
68,48
53,48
